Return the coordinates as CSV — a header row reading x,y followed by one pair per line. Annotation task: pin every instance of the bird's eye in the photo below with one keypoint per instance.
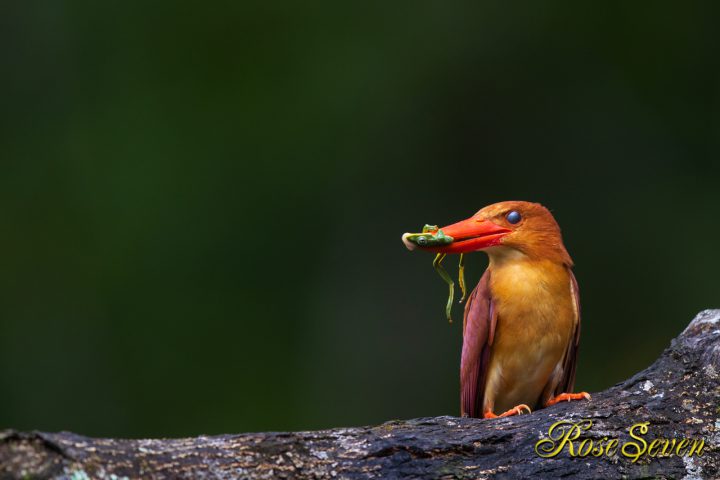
x,y
422,240
513,217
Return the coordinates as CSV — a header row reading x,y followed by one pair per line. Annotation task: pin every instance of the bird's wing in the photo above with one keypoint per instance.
x,y
567,382
478,332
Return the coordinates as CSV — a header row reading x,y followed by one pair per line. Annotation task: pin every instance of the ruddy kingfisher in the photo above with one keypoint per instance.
x,y
521,328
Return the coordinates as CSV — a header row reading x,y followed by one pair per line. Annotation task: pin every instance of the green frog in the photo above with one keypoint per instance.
x,y
432,236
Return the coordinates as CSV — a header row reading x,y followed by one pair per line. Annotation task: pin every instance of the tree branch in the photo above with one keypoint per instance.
x,y
679,395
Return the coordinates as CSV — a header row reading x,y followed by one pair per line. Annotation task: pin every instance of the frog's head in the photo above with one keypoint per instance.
x,y
431,236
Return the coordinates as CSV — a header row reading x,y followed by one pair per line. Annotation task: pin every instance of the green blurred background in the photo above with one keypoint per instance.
x,y
201,203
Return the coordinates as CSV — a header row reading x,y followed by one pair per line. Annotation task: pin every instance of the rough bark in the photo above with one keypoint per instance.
x,y
678,395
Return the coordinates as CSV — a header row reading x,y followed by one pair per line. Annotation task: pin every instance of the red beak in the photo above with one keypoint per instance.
x,y
468,236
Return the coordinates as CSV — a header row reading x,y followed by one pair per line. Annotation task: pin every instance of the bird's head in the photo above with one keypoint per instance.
x,y
500,229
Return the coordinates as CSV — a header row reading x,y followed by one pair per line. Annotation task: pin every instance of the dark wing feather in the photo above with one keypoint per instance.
x,y
567,382
478,332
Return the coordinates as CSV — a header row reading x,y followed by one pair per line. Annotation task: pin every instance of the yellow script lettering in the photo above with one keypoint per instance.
x,y
635,449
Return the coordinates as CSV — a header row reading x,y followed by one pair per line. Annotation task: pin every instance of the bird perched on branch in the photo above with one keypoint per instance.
x,y
521,327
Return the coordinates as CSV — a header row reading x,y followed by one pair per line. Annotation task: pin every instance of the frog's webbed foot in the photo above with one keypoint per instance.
x,y
451,285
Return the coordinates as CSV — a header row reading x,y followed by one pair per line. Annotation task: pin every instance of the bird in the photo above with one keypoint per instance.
x,y
521,325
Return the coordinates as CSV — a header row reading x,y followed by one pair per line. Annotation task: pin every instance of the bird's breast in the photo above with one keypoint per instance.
x,y
536,318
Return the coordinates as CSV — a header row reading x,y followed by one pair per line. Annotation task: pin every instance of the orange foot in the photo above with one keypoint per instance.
x,y
513,411
568,397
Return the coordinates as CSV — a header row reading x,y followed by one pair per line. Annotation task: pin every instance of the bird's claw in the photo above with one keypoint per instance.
x,y
518,410
568,397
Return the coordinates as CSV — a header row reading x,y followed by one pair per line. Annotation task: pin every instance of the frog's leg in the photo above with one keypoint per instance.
x,y
461,277
443,273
